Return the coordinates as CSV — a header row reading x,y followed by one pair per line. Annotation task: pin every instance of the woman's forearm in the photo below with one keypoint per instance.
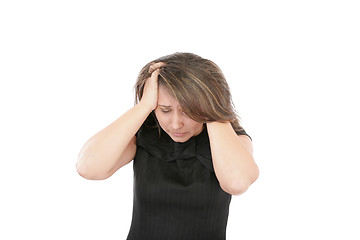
x,y
233,162
102,152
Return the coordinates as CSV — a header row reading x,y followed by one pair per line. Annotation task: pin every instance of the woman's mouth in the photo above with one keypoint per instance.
x,y
176,134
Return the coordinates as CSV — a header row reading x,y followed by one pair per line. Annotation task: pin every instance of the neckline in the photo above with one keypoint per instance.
x,y
193,138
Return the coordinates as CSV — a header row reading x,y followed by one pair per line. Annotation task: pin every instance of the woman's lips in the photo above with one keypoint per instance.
x,y
176,134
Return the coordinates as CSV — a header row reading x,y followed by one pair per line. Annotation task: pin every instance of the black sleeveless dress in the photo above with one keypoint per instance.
x,y
176,193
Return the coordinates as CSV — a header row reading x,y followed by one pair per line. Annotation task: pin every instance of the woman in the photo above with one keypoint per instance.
x,y
190,153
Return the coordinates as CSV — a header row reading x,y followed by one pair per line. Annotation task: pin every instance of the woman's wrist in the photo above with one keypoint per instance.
x,y
216,123
144,106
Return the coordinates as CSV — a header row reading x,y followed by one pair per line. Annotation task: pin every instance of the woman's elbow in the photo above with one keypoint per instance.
x,y
89,174
238,186
235,188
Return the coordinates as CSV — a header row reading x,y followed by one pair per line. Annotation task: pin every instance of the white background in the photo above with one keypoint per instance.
x,y
67,69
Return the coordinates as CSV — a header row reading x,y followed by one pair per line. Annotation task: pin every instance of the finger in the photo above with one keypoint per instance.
x,y
153,78
155,74
155,66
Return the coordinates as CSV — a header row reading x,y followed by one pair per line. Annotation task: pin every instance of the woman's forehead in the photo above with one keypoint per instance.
x,y
166,99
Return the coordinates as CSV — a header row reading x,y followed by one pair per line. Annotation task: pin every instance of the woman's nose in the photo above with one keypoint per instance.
x,y
177,121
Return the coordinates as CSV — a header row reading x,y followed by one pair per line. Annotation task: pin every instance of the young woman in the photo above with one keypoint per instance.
x,y
190,152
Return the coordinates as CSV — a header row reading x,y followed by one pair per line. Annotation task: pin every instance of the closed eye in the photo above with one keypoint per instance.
x,y
165,111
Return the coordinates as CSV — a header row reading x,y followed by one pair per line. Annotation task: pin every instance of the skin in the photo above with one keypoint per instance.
x,y
115,145
173,120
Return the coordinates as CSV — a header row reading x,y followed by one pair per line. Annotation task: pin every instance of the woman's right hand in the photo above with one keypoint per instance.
x,y
150,93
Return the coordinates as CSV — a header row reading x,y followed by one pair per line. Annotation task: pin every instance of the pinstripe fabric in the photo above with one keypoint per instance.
x,y
176,193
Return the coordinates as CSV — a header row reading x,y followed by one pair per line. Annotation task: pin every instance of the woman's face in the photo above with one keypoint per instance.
x,y
173,120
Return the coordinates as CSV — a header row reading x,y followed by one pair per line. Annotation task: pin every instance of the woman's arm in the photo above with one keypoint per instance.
x,y
115,146
233,161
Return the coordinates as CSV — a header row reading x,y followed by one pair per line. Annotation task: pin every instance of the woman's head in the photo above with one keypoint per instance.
x,y
197,84
172,119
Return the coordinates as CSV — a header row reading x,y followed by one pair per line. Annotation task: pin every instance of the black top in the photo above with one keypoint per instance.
x,y
176,193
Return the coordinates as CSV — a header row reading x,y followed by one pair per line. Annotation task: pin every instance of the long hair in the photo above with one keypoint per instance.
x,y
197,84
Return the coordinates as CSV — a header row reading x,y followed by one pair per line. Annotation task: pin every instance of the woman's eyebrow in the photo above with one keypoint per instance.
x,y
160,105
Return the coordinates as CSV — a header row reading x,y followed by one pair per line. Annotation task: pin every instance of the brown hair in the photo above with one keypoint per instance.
x,y
197,84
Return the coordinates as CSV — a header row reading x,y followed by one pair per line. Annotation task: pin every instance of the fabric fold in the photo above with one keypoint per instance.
x,y
164,148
